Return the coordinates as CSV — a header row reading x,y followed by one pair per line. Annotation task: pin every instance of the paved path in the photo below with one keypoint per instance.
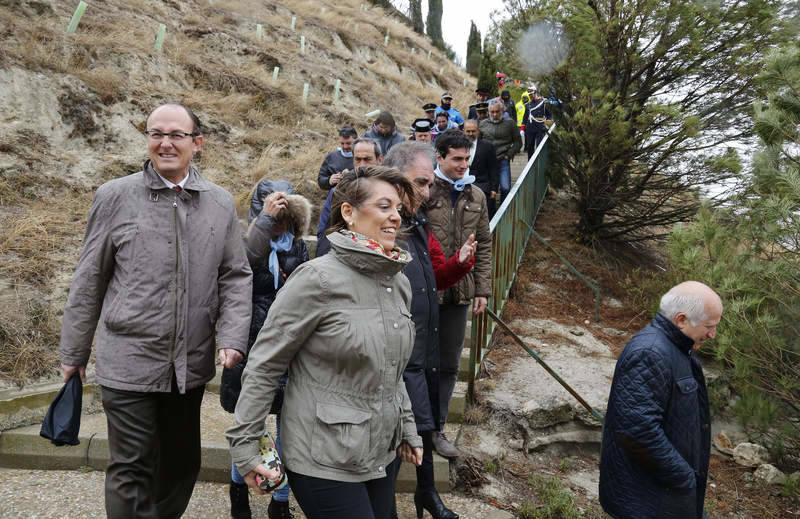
x,y
51,494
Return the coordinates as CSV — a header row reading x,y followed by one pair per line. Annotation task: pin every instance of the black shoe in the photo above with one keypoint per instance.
x,y
430,501
279,510
240,501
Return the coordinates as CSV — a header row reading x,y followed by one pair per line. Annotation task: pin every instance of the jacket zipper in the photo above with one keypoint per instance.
x,y
175,294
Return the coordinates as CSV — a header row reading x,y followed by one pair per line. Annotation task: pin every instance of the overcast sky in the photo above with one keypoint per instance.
x,y
456,17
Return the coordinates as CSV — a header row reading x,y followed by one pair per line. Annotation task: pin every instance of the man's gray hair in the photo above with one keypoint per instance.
x,y
497,102
402,155
676,301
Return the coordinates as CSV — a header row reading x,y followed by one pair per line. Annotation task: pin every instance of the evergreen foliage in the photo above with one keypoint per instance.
x,y
750,253
415,13
655,94
473,50
434,22
488,69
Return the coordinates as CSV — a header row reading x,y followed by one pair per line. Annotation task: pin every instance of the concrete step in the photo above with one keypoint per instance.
x,y
458,403
463,365
23,448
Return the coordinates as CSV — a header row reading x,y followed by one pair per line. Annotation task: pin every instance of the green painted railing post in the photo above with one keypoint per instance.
x,y
162,32
76,17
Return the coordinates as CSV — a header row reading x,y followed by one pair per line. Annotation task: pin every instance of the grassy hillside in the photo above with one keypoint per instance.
x,y
72,108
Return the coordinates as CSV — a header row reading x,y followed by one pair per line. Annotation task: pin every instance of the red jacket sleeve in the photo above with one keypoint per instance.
x,y
447,272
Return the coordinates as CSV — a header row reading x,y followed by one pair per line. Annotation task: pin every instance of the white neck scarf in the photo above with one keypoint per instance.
x,y
457,184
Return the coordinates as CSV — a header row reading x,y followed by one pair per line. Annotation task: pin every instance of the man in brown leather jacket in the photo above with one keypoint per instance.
x,y
455,210
163,268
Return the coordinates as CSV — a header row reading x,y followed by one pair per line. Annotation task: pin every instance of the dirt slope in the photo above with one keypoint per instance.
x,y
72,107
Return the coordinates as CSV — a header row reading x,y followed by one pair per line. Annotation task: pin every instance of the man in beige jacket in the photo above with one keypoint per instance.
x,y
163,267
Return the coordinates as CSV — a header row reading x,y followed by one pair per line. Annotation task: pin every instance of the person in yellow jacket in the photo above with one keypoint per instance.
x,y
521,109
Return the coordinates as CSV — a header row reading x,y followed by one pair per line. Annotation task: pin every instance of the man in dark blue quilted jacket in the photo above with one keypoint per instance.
x,y
657,432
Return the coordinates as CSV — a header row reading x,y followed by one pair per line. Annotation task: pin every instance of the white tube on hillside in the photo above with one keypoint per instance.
x,y
336,90
76,17
162,32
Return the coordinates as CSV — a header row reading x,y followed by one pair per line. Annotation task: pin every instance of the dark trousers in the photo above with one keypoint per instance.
x,y
533,138
452,326
326,499
154,443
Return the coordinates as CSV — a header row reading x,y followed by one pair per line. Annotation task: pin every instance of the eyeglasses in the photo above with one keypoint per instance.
x,y
173,136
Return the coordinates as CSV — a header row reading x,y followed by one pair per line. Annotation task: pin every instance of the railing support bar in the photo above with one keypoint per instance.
x,y
575,271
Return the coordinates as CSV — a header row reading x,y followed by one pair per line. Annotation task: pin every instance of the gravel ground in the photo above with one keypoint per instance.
x,y
51,494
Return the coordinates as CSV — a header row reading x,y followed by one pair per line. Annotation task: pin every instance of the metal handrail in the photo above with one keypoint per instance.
x,y
509,240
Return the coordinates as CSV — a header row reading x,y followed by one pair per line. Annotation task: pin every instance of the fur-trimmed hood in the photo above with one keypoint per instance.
x,y
299,208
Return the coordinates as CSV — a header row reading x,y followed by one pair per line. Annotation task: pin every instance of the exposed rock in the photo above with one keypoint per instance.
x,y
770,474
525,391
750,454
726,440
588,480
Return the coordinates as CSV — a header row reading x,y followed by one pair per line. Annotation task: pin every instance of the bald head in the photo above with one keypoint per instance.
x,y
694,308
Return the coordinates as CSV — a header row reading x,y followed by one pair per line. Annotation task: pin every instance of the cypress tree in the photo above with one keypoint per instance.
x,y
435,22
473,50
415,12
486,75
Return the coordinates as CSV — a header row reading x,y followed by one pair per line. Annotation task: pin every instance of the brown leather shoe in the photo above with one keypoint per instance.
x,y
443,447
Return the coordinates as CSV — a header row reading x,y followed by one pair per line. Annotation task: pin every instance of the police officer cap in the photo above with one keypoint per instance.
x,y
481,90
421,125
482,106
429,107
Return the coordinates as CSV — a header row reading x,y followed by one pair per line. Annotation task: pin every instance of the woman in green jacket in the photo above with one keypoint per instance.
x,y
343,328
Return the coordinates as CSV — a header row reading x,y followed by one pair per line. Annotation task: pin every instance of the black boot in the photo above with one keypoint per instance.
x,y
240,501
426,497
279,510
430,501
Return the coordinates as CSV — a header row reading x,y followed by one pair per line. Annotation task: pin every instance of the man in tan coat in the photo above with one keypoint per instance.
x,y
163,267
455,210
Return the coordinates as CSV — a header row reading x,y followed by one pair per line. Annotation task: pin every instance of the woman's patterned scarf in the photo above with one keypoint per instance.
x,y
396,253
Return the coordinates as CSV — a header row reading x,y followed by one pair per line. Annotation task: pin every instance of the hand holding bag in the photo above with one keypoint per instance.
x,y
63,419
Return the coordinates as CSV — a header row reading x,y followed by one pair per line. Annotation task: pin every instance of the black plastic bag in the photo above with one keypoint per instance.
x,y
63,419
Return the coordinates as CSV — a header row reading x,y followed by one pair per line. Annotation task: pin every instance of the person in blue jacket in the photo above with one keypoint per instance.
x,y
657,431
453,114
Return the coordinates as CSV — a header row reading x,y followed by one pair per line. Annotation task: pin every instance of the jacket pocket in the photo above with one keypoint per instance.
x,y
114,318
341,437
686,395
